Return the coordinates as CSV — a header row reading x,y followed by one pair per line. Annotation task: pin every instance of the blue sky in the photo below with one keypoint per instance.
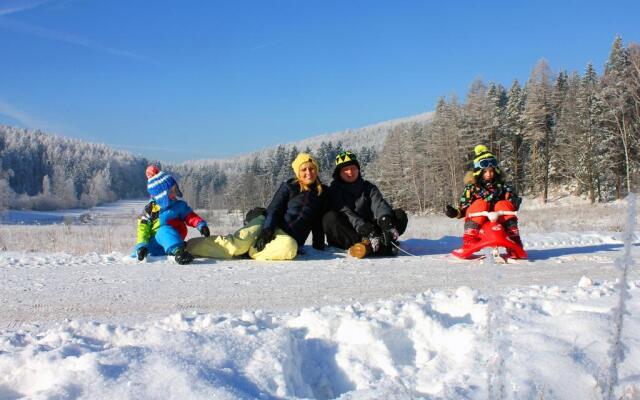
x,y
178,80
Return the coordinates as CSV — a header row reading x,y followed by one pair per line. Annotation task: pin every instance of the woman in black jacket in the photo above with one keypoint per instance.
x,y
295,211
278,232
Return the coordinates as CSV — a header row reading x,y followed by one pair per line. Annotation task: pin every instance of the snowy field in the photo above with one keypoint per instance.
x,y
78,323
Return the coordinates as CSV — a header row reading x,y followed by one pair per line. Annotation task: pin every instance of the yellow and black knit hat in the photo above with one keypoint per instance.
x,y
484,159
343,159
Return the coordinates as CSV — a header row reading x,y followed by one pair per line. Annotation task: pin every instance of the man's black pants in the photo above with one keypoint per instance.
x,y
340,233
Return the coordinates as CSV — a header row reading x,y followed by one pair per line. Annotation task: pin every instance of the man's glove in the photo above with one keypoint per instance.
x,y
366,229
390,235
389,231
204,231
451,212
264,237
142,253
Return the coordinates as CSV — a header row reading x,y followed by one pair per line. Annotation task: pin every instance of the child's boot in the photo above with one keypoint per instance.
x,y
470,237
471,234
513,233
390,250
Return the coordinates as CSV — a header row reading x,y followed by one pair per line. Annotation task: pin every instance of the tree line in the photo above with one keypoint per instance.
x,y
253,182
46,172
39,171
567,132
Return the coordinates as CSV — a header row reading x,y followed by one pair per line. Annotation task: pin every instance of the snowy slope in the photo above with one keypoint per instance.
x,y
324,325
367,136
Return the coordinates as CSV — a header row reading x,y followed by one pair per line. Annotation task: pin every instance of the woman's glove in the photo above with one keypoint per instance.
x,y
264,237
451,212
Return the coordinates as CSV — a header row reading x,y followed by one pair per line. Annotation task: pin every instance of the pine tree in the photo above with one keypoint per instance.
x,y
513,154
448,151
559,102
620,115
392,180
476,117
591,110
538,128
497,104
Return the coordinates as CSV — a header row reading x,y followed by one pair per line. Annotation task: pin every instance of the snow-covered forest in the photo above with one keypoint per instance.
x,y
577,133
47,172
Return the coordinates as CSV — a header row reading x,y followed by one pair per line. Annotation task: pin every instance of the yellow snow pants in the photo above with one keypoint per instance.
x,y
282,247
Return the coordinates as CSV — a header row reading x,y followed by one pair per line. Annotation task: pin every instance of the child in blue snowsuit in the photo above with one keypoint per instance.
x,y
162,227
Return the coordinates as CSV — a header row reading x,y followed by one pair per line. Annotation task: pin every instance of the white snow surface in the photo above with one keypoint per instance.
x,y
325,326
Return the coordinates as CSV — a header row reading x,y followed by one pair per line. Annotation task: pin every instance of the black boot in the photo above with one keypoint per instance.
x,y
389,250
182,256
253,213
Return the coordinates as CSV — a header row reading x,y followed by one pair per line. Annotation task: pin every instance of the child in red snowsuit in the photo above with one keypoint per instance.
x,y
486,191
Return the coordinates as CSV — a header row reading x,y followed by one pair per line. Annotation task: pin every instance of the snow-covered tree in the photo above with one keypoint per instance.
x,y
513,154
538,128
621,116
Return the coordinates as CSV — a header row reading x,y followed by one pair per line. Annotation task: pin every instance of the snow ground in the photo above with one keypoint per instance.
x,y
327,326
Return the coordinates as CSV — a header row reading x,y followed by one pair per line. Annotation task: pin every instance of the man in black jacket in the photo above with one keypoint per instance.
x,y
360,219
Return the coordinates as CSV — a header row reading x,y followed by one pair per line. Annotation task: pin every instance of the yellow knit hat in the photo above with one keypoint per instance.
x,y
301,159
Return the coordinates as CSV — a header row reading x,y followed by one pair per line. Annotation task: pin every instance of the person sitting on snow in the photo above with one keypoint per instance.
x,y
485,190
360,219
162,227
280,231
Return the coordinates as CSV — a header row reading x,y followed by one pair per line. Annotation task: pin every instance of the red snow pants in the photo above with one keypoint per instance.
x,y
483,205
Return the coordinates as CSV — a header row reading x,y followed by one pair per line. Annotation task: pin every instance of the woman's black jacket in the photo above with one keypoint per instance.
x,y
298,212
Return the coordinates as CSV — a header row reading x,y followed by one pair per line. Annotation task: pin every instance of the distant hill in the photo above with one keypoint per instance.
x,y
369,136
250,179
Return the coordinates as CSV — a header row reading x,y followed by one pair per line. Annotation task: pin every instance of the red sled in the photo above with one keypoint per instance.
x,y
492,234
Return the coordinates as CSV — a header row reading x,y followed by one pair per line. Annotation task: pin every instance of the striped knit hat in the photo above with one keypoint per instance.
x,y
484,159
159,186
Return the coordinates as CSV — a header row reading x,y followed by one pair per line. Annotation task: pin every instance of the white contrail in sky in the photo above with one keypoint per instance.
x,y
22,117
8,7
13,6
